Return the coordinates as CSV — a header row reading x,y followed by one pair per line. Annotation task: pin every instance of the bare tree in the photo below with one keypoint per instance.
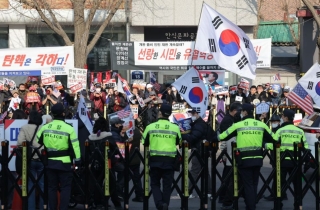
x,y
259,18
286,5
82,23
316,18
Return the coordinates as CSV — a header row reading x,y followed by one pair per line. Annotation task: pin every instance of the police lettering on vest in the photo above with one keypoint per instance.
x,y
162,137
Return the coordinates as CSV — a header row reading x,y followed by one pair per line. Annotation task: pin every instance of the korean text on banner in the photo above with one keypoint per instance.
x,y
50,60
229,45
263,50
76,88
48,80
77,76
177,54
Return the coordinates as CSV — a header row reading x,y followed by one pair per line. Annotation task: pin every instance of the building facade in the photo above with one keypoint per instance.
x,y
161,20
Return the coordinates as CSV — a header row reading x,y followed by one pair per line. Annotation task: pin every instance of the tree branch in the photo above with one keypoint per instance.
x,y
313,11
96,37
92,12
55,25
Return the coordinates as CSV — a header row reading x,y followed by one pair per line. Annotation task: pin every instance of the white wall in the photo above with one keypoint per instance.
x,y
187,12
17,36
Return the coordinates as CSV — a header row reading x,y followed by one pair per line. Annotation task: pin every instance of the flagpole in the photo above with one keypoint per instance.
x,y
194,46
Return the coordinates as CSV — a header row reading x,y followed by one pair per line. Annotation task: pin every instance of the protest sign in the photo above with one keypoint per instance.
x,y
48,80
77,76
219,90
32,97
76,88
262,108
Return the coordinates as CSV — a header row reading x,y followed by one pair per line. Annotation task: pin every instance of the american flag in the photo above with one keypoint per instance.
x,y
300,97
154,82
276,77
124,113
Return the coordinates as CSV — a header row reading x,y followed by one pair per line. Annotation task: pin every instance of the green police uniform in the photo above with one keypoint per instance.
x,y
61,143
289,134
250,134
162,137
56,137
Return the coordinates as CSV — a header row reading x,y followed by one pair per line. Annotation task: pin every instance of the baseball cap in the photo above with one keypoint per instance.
x,y
149,86
247,107
57,109
288,113
116,120
275,117
286,89
166,110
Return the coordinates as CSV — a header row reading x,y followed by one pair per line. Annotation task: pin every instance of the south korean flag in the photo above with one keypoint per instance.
x,y
229,45
193,90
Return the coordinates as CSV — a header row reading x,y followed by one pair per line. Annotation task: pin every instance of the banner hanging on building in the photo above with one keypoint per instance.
x,y
159,56
263,50
32,60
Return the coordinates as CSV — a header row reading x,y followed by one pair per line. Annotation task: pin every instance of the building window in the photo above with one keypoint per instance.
x,y
98,59
4,37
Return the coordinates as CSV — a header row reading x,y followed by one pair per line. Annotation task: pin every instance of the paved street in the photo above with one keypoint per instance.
x,y
308,201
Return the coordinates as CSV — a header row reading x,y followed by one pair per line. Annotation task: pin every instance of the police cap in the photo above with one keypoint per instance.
x,y
288,113
57,109
166,110
247,107
275,117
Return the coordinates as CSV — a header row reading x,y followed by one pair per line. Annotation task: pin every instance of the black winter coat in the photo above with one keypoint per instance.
x,y
116,135
197,133
135,146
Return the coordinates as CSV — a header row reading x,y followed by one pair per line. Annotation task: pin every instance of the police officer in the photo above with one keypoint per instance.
x,y
287,135
61,143
250,134
162,137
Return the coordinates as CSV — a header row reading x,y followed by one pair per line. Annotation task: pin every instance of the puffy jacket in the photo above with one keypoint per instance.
x,y
197,133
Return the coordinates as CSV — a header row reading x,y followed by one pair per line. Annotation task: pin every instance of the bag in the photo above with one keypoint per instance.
x,y
18,162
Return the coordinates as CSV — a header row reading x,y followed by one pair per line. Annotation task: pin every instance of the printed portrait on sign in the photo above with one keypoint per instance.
x,y
213,77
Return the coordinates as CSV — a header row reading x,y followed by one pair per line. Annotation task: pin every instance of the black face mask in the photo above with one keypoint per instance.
x,y
120,128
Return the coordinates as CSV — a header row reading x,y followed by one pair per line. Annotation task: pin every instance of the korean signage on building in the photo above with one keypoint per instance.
x,y
159,56
48,60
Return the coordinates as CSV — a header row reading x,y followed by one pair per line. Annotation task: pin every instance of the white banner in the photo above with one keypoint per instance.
x,y
48,60
263,50
11,133
77,76
170,53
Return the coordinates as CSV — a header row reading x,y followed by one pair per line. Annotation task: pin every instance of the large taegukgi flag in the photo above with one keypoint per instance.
x,y
193,90
229,45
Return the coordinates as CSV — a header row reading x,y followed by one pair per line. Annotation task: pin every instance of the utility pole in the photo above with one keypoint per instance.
x,y
127,12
